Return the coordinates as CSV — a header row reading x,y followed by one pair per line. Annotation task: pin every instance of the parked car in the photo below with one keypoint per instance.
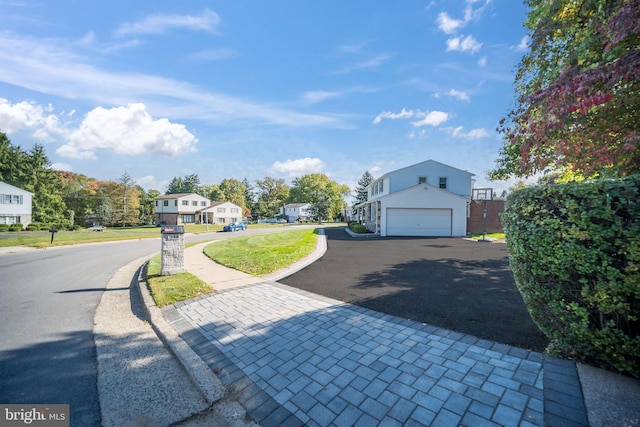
x,y
235,226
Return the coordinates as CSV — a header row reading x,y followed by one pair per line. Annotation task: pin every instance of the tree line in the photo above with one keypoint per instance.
x,y
71,200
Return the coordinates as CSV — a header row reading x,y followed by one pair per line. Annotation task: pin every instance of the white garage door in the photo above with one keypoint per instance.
x,y
418,222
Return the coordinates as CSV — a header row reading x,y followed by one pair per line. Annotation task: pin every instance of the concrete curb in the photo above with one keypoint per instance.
x,y
200,374
318,252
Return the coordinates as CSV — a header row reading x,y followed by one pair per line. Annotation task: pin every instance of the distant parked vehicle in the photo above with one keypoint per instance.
x,y
235,226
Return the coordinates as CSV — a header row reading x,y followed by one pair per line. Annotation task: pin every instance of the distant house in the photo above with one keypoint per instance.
x,y
294,212
15,205
223,213
425,199
191,208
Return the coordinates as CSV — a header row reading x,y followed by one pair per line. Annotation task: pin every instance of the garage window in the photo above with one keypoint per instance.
x,y
443,182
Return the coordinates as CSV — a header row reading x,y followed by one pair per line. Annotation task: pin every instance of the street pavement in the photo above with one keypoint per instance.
x,y
257,352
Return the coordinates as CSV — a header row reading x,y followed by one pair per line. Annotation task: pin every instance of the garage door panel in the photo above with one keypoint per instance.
x,y
418,222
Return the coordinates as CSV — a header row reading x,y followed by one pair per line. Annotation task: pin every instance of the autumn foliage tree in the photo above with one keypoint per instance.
x,y
578,92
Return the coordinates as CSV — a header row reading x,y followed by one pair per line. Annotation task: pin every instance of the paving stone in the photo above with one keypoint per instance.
x,y
302,359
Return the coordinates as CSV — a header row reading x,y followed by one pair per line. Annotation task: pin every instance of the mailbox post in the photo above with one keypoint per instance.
x,y
172,252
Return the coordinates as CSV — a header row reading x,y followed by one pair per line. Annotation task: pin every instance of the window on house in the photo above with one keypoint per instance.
x,y
165,203
203,203
185,203
443,182
175,202
422,180
381,186
194,203
220,210
156,203
11,199
234,210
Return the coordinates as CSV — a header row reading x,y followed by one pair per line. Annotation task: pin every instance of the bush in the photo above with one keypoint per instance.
x,y
4,227
37,225
357,228
575,254
31,228
15,227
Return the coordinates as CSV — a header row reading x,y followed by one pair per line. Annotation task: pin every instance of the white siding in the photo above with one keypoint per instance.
x,y
427,197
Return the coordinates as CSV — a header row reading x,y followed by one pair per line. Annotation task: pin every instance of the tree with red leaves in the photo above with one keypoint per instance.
x,y
578,92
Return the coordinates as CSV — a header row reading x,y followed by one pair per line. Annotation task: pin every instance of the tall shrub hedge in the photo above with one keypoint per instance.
x,y
575,254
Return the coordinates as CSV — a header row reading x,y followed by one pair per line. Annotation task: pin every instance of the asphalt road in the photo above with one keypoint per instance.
x,y
48,304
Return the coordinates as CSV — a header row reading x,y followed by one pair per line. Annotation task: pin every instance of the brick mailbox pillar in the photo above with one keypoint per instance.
x,y
172,252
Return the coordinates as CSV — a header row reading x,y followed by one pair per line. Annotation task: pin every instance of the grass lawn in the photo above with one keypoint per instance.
x,y
264,253
256,255
42,239
497,236
170,289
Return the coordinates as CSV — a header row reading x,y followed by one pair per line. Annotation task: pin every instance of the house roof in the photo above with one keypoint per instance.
x,y
420,163
295,205
412,188
17,188
176,195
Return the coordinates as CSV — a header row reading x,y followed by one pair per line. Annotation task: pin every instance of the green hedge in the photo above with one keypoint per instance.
x,y
15,227
4,227
357,228
575,254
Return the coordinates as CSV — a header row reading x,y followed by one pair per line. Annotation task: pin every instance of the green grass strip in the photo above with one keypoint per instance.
x,y
264,253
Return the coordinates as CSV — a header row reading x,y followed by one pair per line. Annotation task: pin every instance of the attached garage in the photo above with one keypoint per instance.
x,y
419,222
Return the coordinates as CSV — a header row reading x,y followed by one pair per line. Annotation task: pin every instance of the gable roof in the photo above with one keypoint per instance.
x,y
425,162
13,187
176,195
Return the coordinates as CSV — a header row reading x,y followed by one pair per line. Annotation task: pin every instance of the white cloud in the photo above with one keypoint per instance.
x,y
454,93
448,24
150,182
62,167
23,115
370,63
299,167
433,118
464,44
472,134
404,114
316,96
482,61
523,45
160,23
52,68
127,130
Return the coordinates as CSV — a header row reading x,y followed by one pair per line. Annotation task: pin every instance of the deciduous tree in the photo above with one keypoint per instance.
x,y
579,91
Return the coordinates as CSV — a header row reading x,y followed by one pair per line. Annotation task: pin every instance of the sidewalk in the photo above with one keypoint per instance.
x,y
259,352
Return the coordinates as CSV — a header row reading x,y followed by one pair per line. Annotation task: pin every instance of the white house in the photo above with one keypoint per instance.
x,y
294,212
222,213
192,208
425,199
15,205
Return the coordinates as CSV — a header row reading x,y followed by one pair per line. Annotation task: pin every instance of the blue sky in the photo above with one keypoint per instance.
x,y
256,88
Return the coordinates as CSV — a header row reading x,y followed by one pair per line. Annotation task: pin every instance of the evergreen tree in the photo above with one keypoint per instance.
x,y
361,193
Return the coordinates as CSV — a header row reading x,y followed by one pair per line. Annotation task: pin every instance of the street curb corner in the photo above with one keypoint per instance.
x,y
202,377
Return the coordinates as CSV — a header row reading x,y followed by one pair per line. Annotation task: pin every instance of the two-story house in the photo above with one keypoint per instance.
x,y
294,212
15,205
425,199
192,208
